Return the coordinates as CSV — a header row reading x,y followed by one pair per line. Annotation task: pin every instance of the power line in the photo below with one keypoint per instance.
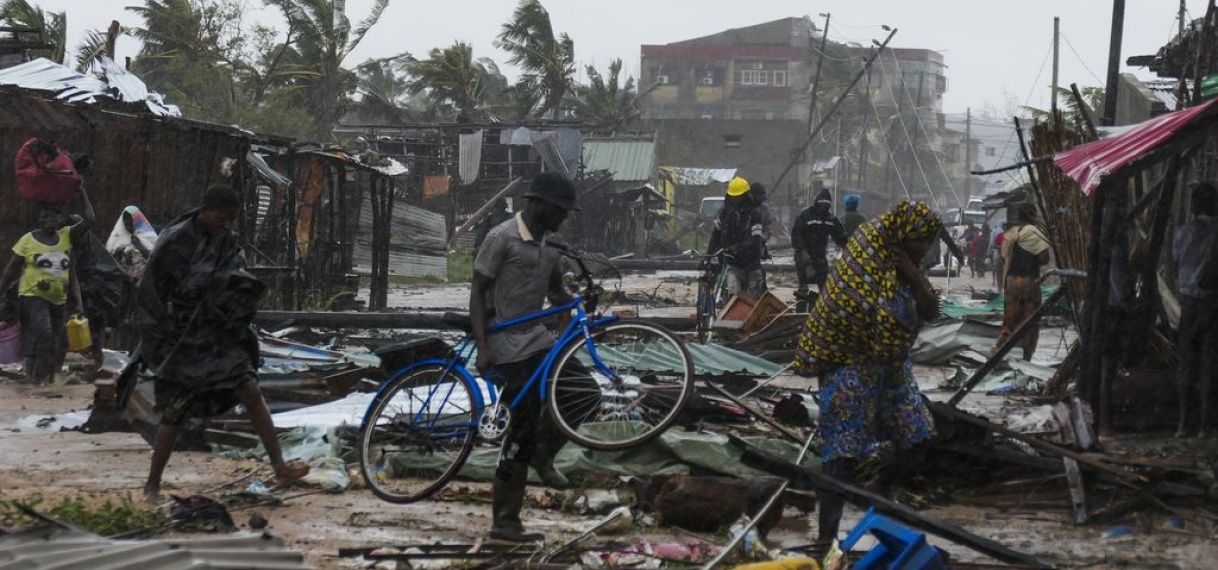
x,y
926,133
888,149
913,150
1080,58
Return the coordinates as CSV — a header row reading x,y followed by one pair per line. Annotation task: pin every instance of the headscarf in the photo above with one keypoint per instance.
x,y
121,243
144,232
852,322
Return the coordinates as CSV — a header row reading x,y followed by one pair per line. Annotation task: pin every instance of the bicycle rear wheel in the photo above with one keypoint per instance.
x,y
624,389
417,434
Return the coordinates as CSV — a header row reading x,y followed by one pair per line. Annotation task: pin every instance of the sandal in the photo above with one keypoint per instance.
x,y
296,469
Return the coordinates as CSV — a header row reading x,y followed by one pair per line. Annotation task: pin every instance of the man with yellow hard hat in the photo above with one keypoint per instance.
x,y
740,233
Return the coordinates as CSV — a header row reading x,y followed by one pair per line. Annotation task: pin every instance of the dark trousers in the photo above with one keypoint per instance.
x,y
532,430
1197,341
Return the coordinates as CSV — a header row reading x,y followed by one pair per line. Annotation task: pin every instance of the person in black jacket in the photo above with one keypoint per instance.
x,y
740,232
810,236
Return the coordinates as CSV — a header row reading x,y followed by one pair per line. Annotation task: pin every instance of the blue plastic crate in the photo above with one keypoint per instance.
x,y
899,548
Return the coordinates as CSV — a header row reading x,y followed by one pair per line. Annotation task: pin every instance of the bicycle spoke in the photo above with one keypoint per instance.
x,y
626,390
417,434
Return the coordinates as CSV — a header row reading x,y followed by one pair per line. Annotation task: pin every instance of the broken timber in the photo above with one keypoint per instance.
x,y
1125,477
804,477
1006,347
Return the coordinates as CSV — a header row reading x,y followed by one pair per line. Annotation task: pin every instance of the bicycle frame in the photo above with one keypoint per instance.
x,y
460,355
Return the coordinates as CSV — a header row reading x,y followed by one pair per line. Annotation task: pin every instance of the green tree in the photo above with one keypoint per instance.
x,y
313,64
383,92
454,82
50,28
191,52
546,60
1072,112
606,102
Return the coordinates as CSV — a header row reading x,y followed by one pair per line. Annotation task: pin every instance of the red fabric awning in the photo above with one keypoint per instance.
x,y
1088,164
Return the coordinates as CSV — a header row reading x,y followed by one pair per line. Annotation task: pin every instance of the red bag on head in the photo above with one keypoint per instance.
x,y
44,174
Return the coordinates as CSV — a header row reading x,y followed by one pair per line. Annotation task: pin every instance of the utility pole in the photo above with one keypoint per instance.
x,y
968,152
913,141
820,64
1114,63
1056,48
862,178
1180,17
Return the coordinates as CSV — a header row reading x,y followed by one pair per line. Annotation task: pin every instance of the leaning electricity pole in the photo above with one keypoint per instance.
x,y
1114,63
799,152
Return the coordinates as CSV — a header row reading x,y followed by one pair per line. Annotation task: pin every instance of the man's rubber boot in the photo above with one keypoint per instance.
x,y
549,440
507,500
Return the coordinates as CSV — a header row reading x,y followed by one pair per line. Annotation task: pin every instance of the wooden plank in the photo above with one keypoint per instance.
x,y
804,477
1127,478
234,439
1078,496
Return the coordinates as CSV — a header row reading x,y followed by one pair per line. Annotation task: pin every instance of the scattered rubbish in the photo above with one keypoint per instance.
x,y
598,501
619,521
1175,522
649,555
1117,532
791,563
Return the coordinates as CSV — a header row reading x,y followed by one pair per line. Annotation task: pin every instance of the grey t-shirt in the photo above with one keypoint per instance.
x,y
522,268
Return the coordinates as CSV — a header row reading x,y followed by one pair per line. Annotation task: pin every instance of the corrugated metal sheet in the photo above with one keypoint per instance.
x,y
418,242
64,549
72,86
626,160
716,360
710,360
162,164
1089,164
1165,90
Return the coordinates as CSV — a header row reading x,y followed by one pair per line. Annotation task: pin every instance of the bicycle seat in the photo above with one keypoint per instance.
x,y
457,320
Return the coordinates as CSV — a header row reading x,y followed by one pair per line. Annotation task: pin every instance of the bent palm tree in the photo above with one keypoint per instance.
x,y
547,61
51,28
451,77
314,66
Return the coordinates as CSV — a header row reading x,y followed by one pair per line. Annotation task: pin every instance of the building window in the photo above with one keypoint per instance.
x,y
754,77
991,151
780,79
662,79
732,141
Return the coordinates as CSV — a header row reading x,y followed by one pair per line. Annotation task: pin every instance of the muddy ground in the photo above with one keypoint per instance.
x,y
50,464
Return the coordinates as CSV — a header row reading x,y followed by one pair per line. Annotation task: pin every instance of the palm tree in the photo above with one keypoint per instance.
x,y
451,78
383,92
547,61
314,66
51,28
606,102
183,54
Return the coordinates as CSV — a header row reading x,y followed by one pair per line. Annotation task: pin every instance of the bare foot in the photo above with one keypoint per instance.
x,y
152,494
291,472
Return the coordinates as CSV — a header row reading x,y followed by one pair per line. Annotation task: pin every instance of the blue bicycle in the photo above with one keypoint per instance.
x,y
608,384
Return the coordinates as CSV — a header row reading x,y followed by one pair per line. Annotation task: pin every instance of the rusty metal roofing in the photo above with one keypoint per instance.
x,y
626,160
66,549
74,87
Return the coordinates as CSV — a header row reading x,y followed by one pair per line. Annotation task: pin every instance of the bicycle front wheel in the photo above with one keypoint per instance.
x,y
624,388
705,310
417,434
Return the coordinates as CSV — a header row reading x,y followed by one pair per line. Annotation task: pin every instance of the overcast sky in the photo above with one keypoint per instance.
x,y
996,50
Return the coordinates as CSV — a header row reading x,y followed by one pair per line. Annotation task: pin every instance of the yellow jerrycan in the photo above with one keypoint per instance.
x,y
80,338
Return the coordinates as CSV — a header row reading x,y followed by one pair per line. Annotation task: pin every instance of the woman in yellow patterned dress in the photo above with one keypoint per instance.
x,y
857,340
